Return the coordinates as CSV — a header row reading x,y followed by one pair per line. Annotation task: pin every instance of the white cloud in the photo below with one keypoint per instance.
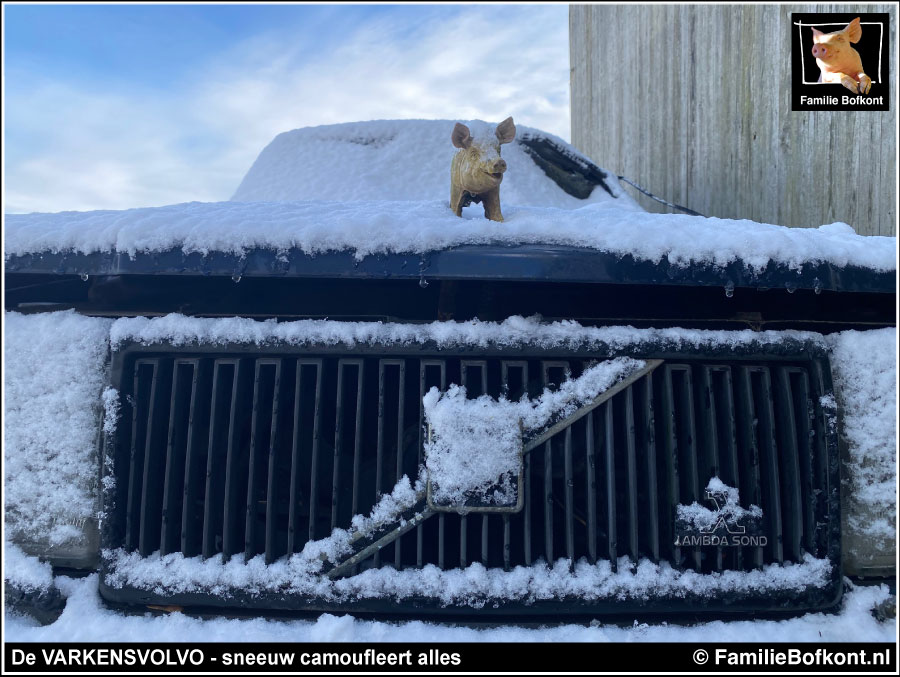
x,y
91,149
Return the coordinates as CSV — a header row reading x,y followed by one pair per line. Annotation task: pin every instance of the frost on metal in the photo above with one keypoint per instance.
x,y
55,372
864,365
475,450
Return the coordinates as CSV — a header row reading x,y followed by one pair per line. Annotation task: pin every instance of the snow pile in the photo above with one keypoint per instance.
x,y
87,619
474,585
864,365
389,507
367,228
475,448
400,160
729,509
475,451
25,572
386,512
513,332
55,372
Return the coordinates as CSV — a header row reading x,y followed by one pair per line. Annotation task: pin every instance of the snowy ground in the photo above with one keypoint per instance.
x,y
87,619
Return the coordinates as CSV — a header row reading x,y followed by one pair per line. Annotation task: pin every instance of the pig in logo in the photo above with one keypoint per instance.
x,y
840,62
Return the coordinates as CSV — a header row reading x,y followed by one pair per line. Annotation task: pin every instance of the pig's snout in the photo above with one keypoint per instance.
x,y
819,51
498,167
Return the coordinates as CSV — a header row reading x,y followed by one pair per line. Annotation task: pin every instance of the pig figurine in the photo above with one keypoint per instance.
x,y
838,61
477,169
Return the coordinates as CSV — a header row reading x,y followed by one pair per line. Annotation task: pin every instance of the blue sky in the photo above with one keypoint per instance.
x,y
117,106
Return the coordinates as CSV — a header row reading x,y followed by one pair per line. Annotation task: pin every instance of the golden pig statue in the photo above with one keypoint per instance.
x,y
477,169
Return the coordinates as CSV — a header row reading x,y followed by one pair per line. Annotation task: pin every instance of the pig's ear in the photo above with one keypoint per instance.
x,y
816,35
854,30
506,130
461,136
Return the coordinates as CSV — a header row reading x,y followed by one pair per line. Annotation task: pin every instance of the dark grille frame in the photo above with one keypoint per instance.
x,y
789,356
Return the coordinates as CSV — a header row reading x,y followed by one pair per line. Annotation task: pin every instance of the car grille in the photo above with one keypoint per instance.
x,y
256,453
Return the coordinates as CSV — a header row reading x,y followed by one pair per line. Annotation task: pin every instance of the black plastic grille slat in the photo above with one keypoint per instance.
x,y
722,439
316,453
253,469
790,465
180,405
804,422
553,372
708,428
304,453
686,431
442,539
154,458
235,455
631,497
769,456
670,482
821,443
570,495
221,431
381,444
263,433
751,491
195,463
348,424
514,383
527,519
236,462
401,425
142,386
591,487
609,489
275,497
432,373
649,467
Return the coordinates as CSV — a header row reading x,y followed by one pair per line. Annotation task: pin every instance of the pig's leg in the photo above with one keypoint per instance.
x,y
456,198
865,83
849,83
839,79
491,200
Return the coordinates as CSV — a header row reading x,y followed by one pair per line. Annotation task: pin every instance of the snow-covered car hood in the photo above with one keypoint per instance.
x,y
410,160
382,188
